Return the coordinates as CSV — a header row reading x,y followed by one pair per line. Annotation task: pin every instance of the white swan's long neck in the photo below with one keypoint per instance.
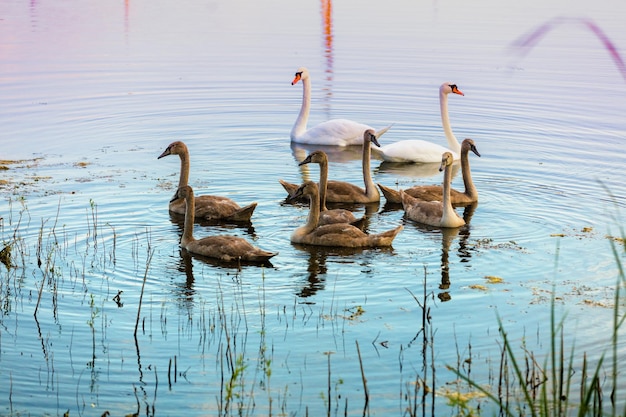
x,y
190,209
448,210
370,188
470,188
453,143
323,184
299,126
184,169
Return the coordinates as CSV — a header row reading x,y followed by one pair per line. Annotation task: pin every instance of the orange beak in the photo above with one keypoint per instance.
x,y
296,79
455,90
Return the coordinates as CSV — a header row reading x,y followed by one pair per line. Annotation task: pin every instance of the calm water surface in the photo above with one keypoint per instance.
x,y
91,94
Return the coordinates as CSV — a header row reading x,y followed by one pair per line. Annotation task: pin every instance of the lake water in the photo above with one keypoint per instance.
x,y
92,92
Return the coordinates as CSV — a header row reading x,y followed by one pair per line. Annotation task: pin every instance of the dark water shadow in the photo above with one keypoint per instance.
x,y
449,235
339,154
238,265
247,227
318,268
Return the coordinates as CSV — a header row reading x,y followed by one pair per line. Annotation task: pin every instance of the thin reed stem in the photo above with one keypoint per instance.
x,y
365,389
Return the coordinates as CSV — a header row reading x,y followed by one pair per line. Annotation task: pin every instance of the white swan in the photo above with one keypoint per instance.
x,y
335,234
422,151
434,213
435,192
337,132
224,248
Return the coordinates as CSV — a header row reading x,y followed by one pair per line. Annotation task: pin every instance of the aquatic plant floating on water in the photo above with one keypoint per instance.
x,y
527,42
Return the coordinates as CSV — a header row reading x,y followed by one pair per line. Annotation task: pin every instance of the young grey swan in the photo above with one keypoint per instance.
x,y
336,234
434,213
327,216
435,192
345,192
208,207
225,248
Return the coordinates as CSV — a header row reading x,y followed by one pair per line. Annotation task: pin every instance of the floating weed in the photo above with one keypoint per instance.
x,y
355,313
462,401
479,287
488,243
5,255
616,239
492,279
586,232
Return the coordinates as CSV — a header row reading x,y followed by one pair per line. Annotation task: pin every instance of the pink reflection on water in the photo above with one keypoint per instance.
x,y
327,40
327,18
126,17
527,42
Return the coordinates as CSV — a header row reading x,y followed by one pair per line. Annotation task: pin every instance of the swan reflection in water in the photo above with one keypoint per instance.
x,y
185,292
321,261
246,227
335,153
448,235
402,169
237,265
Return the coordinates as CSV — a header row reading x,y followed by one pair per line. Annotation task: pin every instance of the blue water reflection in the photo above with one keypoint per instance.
x,y
93,92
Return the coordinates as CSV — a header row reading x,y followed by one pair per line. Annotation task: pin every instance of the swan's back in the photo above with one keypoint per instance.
x,y
335,132
345,235
345,192
212,207
228,249
425,193
330,216
427,212
416,150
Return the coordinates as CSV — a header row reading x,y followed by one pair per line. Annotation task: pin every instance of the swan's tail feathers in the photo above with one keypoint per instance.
x,y
259,255
386,238
392,196
289,187
383,131
244,214
291,193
